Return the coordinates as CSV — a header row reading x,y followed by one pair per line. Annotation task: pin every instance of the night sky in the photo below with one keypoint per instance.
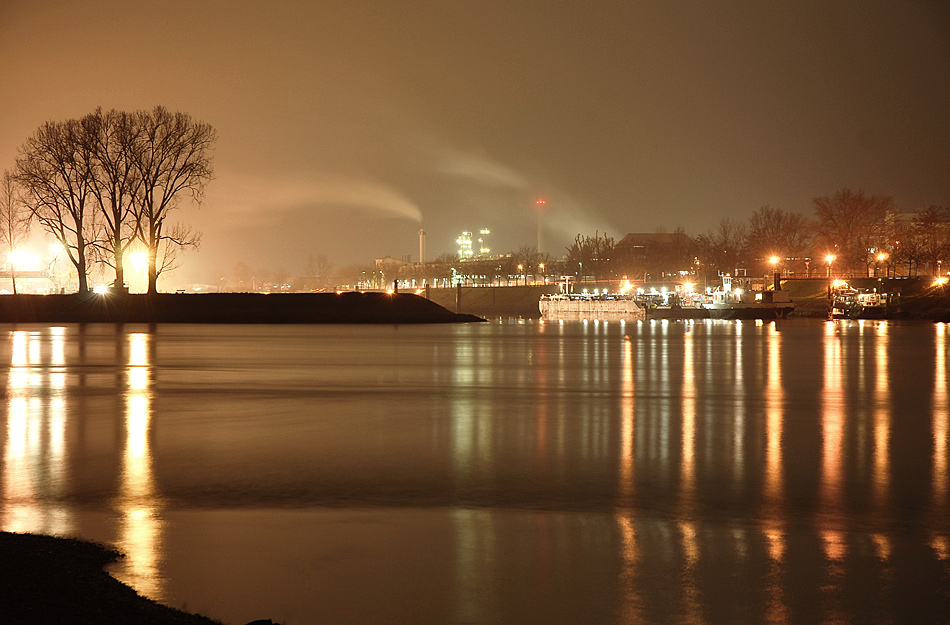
x,y
346,127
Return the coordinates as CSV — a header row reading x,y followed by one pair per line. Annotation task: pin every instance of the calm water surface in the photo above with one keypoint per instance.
x,y
511,472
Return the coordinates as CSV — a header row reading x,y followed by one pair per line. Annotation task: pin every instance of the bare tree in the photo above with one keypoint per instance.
x,y
931,231
174,241
55,168
320,269
359,276
851,225
721,249
14,221
775,232
530,259
172,156
591,255
115,183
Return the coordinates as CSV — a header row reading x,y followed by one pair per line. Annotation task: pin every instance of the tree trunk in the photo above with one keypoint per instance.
x,y
80,264
152,270
13,277
83,281
119,269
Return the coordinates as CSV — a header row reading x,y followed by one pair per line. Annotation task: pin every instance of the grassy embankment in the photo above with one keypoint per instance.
x,y
226,308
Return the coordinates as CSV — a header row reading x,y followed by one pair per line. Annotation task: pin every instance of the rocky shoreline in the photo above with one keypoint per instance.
x,y
287,308
46,580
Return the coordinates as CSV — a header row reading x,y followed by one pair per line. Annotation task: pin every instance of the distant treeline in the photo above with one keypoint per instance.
x,y
850,233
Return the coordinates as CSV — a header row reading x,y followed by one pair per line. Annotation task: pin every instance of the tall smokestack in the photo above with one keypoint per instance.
x,y
539,206
422,246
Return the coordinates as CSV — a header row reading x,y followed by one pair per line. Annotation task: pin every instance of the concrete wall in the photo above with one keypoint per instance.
x,y
493,301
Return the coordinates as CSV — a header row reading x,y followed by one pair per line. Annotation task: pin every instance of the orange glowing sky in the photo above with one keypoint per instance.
x,y
344,127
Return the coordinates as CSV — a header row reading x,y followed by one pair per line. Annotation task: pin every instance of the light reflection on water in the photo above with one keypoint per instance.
x,y
753,472
940,541
140,525
36,465
34,454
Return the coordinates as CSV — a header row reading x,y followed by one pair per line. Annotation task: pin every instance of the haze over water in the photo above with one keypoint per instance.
x,y
510,472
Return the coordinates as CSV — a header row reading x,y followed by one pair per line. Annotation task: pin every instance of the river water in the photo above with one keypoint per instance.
x,y
508,472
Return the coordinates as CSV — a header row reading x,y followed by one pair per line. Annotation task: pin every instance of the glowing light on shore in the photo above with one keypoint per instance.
x,y
21,259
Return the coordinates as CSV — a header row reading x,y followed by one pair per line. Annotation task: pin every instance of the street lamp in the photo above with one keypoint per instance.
x,y
521,272
773,261
544,278
139,261
880,259
830,258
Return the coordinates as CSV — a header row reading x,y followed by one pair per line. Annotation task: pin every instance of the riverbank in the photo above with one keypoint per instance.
x,y
915,298
46,580
349,307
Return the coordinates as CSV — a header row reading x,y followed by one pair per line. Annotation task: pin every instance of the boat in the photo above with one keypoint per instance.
x,y
671,305
850,303
728,303
584,306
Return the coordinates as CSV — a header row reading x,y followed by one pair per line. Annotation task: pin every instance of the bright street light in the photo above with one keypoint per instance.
x,y
21,259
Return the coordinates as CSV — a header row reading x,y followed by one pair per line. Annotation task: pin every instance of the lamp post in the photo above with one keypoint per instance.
x,y
521,272
773,261
544,278
830,258
880,259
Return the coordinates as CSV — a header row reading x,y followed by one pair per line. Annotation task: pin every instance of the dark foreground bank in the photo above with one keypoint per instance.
x,y
347,307
46,581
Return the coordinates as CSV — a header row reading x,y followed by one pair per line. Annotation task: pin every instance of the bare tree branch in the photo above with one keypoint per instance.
x,y
14,221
